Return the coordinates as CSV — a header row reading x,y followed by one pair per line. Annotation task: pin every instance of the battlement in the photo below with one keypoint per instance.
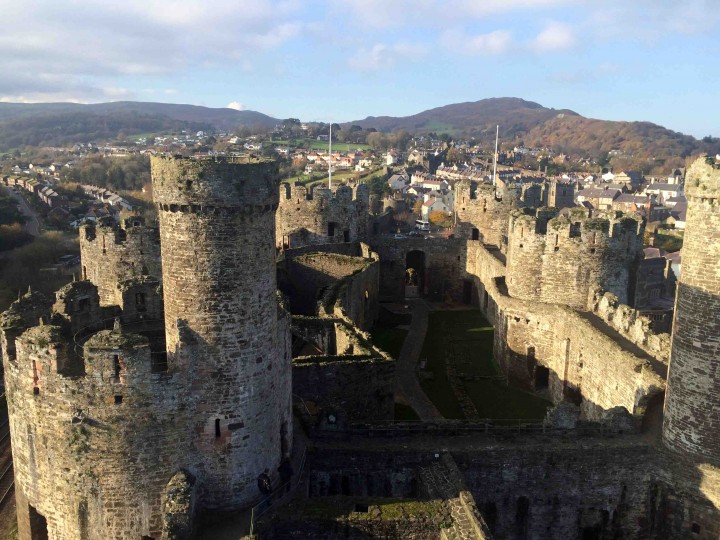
x,y
22,314
196,185
702,179
112,253
561,259
342,194
577,225
321,215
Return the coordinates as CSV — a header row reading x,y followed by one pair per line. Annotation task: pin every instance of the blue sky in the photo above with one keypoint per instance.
x,y
341,60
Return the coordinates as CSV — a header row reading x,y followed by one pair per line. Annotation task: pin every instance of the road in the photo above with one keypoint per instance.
x,y
407,386
32,225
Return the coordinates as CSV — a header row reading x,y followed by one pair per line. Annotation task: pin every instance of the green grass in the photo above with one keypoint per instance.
x,y
469,338
405,413
389,338
668,242
314,144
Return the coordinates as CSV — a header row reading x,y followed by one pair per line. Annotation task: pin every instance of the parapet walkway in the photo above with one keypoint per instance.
x,y
407,386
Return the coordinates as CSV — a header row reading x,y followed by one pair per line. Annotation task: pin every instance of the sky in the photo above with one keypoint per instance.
x,y
343,60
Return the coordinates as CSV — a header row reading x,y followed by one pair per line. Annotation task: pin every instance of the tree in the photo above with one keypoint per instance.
x,y
417,207
440,218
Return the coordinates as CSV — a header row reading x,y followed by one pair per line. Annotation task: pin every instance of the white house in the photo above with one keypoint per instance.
x,y
433,204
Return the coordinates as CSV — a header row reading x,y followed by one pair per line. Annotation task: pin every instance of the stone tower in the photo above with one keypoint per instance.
x,y
217,233
564,260
692,405
114,408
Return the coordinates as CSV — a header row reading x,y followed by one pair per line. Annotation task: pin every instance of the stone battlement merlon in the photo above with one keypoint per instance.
x,y
214,182
593,229
297,193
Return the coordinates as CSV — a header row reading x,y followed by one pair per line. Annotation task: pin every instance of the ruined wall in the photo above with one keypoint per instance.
x,y
112,253
562,260
217,228
444,268
557,490
333,383
320,216
566,354
331,336
692,409
332,284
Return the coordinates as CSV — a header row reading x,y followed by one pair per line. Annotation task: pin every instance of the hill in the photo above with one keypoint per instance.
x,y
563,130
49,124
479,118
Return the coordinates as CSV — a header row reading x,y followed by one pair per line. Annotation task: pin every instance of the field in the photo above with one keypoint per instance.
x,y
323,145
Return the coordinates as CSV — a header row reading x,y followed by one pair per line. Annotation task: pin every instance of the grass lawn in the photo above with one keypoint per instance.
x,y
668,242
323,145
405,413
469,338
389,338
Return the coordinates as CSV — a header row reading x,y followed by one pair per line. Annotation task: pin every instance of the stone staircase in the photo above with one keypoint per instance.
x,y
442,480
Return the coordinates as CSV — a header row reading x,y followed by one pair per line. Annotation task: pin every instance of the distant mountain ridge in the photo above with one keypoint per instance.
x,y
50,124
476,117
534,125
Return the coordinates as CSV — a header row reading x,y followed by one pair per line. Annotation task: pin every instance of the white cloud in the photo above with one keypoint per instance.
x,y
381,56
554,37
236,105
492,43
106,41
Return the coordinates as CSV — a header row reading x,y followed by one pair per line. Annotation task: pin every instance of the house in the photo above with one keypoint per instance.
x,y
397,182
596,198
664,191
433,205
678,215
633,203
632,179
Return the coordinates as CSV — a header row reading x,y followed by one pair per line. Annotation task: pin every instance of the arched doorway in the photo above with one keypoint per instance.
x,y
415,271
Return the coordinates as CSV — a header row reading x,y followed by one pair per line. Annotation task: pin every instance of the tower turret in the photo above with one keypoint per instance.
x,y
692,406
217,229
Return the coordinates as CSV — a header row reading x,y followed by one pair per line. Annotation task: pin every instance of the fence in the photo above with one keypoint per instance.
x,y
277,494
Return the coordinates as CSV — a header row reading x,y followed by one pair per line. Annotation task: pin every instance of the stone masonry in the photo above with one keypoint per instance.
x,y
692,407
114,434
320,215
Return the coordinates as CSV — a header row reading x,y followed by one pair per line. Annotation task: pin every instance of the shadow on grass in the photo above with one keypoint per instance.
x,y
465,338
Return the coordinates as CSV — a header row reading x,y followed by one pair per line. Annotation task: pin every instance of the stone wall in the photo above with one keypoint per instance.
x,y
556,490
692,411
112,253
481,213
319,215
444,268
352,388
567,354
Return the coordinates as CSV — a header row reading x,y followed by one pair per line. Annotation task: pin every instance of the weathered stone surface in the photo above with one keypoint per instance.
x,y
112,253
692,407
320,215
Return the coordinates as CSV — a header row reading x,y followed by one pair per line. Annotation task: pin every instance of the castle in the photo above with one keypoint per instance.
x,y
160,385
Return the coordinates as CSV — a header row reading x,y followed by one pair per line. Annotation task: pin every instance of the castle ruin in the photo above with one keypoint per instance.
x,y
160,386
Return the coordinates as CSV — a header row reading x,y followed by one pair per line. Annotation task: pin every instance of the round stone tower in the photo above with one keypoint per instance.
x,y
692,405
217,230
